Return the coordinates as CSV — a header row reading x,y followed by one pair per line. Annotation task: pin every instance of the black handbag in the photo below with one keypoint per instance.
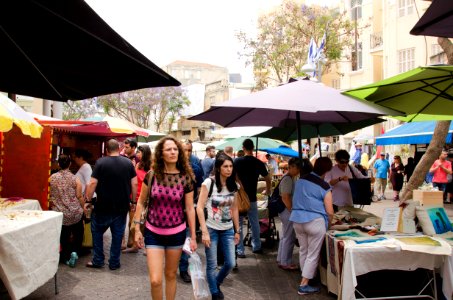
x,y
275,204
360,189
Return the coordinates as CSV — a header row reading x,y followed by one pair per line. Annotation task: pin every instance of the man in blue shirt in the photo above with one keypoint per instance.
x,y
208,162
381,171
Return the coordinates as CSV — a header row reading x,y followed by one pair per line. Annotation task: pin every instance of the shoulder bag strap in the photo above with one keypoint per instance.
x,y
350,168
211,188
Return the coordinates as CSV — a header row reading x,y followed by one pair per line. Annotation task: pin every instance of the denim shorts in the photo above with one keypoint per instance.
x,y
159,241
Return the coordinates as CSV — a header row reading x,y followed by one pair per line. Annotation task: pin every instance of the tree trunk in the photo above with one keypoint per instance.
x,y
427,160
437,142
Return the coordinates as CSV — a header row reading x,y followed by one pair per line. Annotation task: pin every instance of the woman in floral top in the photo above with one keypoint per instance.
x,y
66,197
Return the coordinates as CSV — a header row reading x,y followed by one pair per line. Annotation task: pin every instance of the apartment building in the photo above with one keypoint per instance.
x,y
383,47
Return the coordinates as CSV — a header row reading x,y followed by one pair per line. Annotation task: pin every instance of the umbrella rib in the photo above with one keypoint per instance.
x,y
102,41
239,117
344,117
401,82
407,92
30,61
429,103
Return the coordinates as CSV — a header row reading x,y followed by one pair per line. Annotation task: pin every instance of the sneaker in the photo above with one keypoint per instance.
x,y
73,259
218,296
259,251
185,276
306,289
241,255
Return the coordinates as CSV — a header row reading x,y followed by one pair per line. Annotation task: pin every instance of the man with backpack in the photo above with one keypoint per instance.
x,y
249,168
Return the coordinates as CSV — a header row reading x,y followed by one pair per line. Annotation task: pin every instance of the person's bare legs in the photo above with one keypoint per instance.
x,y
172,257
155,262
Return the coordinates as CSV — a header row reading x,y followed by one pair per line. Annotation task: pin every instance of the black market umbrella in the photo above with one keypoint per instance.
x,y
436,21
291,106
62,50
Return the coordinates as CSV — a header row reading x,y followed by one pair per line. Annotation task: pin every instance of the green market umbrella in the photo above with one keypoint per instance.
x,y
259,143
422,94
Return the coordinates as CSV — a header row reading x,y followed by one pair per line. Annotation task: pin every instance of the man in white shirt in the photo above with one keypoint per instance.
x,y
273,165
338,179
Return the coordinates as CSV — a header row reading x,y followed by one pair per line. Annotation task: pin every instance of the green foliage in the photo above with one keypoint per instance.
x,y
280,48
157,105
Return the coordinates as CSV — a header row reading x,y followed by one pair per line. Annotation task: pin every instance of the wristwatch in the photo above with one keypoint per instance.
x,y
339,178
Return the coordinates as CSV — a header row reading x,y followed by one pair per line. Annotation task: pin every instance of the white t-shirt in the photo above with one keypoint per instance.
x,y
219,207
341,192
84,175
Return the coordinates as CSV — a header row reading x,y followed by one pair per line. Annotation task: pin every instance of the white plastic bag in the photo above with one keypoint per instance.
x,y
199,284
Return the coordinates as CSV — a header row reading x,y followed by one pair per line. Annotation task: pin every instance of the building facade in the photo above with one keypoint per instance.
x,y
383,48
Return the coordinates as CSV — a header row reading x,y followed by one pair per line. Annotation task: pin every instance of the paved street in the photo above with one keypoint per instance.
x,y
258,277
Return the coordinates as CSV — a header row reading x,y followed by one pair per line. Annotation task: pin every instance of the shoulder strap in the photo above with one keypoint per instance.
x,y
350,168
211,187
150,181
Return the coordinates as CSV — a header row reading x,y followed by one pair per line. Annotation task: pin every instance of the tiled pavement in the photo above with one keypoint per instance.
x,y
258,277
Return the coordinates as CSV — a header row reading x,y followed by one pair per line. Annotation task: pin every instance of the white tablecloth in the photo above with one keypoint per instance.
x,y
29,249
361,260
28,204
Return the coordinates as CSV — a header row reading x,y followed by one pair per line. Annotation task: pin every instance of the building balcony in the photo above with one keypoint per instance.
x,y
376,41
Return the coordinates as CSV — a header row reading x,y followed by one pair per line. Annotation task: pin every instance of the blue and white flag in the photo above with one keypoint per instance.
x,y
321,47
312,52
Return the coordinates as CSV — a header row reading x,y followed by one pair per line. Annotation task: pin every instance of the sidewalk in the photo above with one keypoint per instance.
x,y
258,276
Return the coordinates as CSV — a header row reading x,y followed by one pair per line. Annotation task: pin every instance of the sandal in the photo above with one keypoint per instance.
x,y
91,265
130,250
291,267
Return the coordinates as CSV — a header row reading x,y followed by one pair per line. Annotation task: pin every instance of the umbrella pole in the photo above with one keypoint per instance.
x,y
319,141
256,148
299,141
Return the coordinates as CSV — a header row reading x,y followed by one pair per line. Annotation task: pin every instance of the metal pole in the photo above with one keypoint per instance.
x,y
319,141
299,140
256,148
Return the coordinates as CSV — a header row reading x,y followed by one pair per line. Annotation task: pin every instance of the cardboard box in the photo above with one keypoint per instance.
x,y
430,198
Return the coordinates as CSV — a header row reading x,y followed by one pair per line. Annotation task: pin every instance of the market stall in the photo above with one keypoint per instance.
x,y
26,163
355,246
22,268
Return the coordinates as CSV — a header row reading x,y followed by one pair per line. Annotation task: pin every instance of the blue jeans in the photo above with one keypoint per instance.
x,y
184,260
99,225
226,237
442,187
255,227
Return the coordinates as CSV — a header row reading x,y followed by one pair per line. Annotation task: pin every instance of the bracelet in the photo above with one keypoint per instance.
x,y
138,222
88,201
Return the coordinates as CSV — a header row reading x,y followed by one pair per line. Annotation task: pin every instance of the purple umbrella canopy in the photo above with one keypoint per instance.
x,y
278,107
436,21
292,105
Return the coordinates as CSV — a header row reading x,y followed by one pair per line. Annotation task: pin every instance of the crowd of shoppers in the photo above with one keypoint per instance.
x,y
160,192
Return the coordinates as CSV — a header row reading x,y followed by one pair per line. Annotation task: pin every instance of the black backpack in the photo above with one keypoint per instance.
x,y
275,203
